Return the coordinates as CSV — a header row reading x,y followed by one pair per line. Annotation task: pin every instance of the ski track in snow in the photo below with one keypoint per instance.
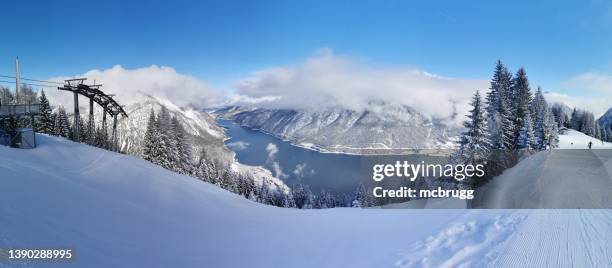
x,y
467,244
527,238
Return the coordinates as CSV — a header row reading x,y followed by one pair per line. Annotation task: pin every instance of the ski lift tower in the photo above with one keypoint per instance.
x,y
94,94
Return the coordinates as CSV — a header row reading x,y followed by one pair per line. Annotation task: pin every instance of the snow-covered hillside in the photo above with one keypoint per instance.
x,y
341,130
572,139
117,210
204,134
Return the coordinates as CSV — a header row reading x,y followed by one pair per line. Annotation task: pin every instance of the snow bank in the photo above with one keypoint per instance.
x,y
116,210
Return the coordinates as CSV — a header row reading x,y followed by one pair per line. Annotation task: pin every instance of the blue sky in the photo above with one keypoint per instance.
x,y
224,41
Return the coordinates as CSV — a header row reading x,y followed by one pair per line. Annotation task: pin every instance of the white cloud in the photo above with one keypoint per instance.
x,y
238,145
130,84
272,149
595,92
278,172
299,170
330,80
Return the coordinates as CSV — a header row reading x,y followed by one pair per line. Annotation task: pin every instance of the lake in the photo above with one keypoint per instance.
x,y
337,173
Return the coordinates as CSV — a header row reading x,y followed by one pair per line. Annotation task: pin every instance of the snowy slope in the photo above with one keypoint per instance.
x,y
120,211
558,178
203,132
204,136
342,130
572,139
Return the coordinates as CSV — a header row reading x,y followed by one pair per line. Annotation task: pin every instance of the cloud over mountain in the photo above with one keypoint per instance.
x,y
595,92
327,79
129,85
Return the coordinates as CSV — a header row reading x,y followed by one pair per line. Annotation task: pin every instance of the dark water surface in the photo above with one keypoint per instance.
x,y
338,173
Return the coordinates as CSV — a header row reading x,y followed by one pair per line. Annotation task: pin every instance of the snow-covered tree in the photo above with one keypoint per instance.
x,y
526,137
182,157
540,115
499,123
45,120
101,138
521,100
324,200
551,131
61,126
151,143
302,196
84,131
587,124
474,141
575,121
6,96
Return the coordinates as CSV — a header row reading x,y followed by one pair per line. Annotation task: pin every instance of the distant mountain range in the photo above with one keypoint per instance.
x,y
348,131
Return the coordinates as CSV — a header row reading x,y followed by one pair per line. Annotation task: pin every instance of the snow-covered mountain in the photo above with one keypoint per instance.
x,y
205,136
204,133
342,130
117,210
606,119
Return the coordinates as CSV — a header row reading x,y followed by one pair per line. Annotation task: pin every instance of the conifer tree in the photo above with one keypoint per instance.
x,y
575,120
151,143
521,100
499,123
183,157
84,132
62,126
475,141
542,124
165,144
45,120
526,136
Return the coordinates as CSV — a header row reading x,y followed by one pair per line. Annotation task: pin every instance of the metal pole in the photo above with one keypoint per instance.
x,y
91,121
17,80
77,116
104,130
114,132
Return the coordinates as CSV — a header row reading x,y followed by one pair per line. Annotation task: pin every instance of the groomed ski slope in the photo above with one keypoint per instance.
x,y
119,211
569,177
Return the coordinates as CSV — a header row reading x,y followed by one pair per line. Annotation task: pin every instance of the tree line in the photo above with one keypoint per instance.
x,y
48,121
509,120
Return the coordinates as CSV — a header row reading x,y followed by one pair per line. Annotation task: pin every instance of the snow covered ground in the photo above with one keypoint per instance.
x,y
120,211
578,178
572,139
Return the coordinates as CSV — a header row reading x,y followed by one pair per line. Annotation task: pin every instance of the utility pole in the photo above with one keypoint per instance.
x,y
17,80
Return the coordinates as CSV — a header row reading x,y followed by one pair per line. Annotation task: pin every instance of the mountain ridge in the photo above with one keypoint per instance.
x,y
347,131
